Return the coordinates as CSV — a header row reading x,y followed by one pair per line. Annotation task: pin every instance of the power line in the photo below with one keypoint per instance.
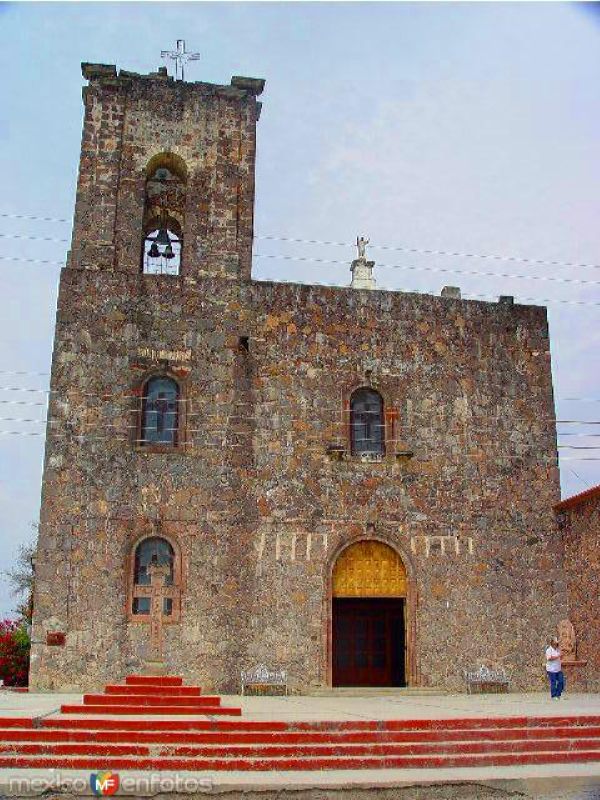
x,y
415,290
329,425
23,403
579,478
117,438
325,418
430,252
579,458
476,429
419,291
24,372
32,260
578,447
118,397
444,270
578,399
579,435
467,295
439,270
394,248
34,218
47,375
33,238
122,434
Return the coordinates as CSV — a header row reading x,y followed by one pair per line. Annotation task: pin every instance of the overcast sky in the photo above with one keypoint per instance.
x,y
463,128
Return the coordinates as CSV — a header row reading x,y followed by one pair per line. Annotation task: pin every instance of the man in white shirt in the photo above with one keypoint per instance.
x,y
554,669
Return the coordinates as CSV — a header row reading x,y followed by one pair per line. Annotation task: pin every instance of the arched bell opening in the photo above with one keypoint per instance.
x,y
162,246
370,616
164,211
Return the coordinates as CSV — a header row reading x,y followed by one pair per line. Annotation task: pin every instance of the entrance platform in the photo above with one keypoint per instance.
x,y
491,745
384,704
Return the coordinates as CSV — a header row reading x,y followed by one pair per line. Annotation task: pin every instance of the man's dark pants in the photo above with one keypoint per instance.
x,y
557,683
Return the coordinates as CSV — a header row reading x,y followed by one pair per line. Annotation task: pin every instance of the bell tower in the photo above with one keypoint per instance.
x,y
146,453
166,179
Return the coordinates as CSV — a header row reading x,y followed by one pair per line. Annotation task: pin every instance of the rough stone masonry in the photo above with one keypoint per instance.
x,y
579,520
261,492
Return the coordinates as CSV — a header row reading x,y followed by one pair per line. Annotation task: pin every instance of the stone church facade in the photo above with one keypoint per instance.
x,y
354,485
579,521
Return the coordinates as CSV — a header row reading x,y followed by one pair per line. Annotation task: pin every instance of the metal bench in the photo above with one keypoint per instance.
x,y
261,679
487,681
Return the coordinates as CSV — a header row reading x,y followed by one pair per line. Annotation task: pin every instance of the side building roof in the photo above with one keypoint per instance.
x,y
578,499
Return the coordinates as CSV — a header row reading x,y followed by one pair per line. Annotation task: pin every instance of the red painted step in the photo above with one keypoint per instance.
x,y
153,689
442,727
16,722
302,729
311,763
76,749
382,749
298,738
160,724
157,680
142,695
487,723
258,751
103,733
144,710
151,700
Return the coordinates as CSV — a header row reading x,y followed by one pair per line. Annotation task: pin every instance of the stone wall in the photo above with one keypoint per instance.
x,y
467,387
262,492
252,498
579,518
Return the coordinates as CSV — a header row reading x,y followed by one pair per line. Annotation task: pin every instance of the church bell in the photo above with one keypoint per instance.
x,y
163,238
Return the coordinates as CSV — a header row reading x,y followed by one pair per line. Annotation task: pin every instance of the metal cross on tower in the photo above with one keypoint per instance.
x,y
180,57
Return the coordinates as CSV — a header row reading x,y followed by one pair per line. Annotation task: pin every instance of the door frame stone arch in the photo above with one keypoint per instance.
x,y
413,673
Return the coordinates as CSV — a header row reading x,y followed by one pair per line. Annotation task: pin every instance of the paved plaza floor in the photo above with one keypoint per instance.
x,y
325,707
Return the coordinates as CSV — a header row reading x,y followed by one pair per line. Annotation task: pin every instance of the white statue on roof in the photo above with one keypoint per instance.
x,y
361,246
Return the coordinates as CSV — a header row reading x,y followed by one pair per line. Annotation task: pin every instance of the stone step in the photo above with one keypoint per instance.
x,y
143,710
160,680
163,763
143,733
301,751
73,748
198,701
373,691
16,722
526,724
152,689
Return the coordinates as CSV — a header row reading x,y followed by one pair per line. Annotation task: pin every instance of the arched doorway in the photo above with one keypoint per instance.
x,y
369,590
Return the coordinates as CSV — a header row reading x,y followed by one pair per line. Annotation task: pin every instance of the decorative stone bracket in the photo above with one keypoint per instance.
x,y
338,452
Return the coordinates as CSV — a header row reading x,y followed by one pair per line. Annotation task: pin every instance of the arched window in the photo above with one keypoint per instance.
x,y
164,209
367,423
160,412
152,551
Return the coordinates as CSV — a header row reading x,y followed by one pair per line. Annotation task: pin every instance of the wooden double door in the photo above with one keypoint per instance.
x,y
368,645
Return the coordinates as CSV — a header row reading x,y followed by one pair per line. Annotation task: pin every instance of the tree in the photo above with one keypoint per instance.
x,y
21,578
